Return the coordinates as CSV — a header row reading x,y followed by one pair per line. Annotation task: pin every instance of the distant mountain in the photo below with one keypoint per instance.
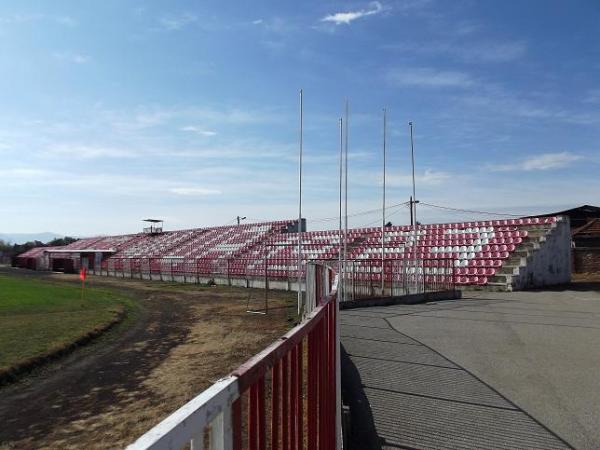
x,y
21,238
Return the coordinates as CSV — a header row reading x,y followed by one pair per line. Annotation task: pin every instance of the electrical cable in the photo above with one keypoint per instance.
x,y
360,213
469,210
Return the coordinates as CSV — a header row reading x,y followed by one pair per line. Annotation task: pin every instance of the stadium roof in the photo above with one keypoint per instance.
x,y
589,210
578,216
592,228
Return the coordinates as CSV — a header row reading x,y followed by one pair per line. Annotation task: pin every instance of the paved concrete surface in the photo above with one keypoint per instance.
x,y
493,370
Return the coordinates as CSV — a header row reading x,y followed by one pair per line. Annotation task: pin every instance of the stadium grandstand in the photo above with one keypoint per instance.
x,y
504,254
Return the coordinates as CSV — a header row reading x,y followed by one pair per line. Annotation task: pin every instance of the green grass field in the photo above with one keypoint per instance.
x,y
38,317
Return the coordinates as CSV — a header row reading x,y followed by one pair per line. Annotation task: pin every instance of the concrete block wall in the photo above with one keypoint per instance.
x,y
550,263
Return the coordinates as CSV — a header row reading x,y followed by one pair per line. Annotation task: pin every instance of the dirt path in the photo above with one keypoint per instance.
x,y
107,394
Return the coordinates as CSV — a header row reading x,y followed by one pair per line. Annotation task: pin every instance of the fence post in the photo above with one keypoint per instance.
x,y
228,274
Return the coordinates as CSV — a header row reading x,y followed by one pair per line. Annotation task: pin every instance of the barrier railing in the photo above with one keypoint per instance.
x,y
166,267
363,278
287,395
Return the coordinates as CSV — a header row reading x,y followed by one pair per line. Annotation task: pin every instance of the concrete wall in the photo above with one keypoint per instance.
x,y
250,282
586,260
551,263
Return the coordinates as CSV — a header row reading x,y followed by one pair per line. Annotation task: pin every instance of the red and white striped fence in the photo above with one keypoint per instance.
x,y
286,397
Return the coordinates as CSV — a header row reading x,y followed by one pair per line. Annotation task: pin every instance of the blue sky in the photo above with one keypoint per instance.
x,y
115,111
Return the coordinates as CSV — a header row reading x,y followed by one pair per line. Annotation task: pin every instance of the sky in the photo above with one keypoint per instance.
x,y
115,111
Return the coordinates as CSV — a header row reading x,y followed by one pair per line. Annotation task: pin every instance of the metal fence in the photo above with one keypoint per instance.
x,y
364,278
286,397
169,268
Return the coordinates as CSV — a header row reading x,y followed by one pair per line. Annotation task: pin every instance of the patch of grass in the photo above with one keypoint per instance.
x,y
38,317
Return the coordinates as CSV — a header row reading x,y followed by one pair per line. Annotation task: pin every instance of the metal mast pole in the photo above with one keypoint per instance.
x,y
300,207
346,192
340,234
383,209
414,202
338,297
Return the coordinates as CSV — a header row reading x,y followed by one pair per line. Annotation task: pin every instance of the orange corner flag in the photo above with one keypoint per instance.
x,y
83,274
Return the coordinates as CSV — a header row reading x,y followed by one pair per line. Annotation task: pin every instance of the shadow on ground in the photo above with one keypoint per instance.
x,y
362,434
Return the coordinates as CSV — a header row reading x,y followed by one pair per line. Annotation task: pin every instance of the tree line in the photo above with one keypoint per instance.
x,y
9,250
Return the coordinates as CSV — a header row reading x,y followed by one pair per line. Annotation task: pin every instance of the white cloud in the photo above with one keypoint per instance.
x,y
24,175
105,183
194,191
428,178
545,161
593,96
30,18
200,131
152,116
491,51
79,151
496,99
428,77
75,58
349,16
275,25
471,52
66,20
466,28
235,151
20,18
177,22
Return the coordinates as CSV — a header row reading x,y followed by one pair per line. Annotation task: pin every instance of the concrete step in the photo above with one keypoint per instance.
x,y
500,278
513,261
498,287
509,272
509,269
537,233
538,228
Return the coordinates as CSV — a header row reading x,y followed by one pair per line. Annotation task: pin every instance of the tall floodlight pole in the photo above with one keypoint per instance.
x,y
383,208
340,242
300,207
414,202
340,293
346,192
